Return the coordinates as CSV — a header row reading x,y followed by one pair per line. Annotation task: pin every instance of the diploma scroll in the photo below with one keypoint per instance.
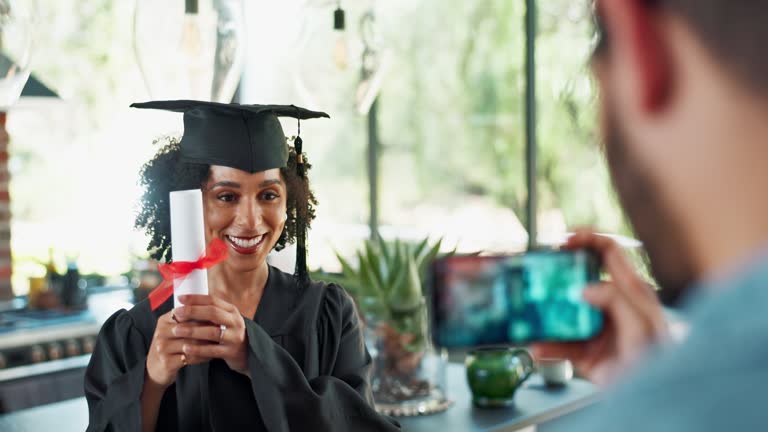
x,y
188,241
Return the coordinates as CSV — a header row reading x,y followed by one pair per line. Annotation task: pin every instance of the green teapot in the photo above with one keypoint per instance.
x,y
495,373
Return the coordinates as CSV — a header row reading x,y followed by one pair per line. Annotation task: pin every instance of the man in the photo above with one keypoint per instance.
x,y
684,90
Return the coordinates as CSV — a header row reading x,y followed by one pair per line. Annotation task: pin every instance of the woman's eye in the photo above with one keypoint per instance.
x,y
270,196
226,197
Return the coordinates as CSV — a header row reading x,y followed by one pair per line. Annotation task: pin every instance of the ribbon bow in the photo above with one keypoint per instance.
x,y
215,252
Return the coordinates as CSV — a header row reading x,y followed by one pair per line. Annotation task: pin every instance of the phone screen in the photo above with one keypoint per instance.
x,y
535,296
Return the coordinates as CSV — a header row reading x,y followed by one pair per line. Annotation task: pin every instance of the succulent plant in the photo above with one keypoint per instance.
x,y
386,282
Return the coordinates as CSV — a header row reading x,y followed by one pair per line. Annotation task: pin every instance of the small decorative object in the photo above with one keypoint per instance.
x,y
409,374
555,372
495,373
190,49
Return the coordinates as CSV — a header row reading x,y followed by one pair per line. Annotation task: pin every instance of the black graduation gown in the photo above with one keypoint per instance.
x,y
307,359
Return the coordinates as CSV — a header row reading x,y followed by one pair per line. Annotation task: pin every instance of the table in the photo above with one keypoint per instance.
x,y
70,415
535,404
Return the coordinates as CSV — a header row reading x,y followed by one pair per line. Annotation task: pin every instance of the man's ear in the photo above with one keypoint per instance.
x,y
635,42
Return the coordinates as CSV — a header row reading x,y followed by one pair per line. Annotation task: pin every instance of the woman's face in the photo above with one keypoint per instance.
x,y
247,211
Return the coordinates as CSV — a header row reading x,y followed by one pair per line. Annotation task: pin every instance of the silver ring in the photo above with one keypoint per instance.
x,y
223,328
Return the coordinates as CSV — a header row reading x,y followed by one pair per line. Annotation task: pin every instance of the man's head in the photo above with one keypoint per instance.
x,y
684,88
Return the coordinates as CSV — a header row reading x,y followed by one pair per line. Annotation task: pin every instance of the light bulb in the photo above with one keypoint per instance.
x,y
340,48
196,58
340,51
191,49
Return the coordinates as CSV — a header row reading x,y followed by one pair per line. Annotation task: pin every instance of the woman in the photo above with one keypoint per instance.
x,y
265,350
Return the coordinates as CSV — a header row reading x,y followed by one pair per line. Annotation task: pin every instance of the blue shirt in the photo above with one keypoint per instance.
x,y
716,380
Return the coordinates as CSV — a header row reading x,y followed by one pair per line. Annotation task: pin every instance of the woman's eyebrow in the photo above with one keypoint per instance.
x,y
266,183
225,183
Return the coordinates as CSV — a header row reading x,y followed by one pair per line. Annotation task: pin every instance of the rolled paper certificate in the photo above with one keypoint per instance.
x,y
188,241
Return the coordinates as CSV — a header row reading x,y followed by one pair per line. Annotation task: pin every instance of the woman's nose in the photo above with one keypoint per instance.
x,y
249,214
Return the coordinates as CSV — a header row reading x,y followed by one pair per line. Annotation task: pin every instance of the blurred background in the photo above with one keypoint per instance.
x,y
443,132
450,113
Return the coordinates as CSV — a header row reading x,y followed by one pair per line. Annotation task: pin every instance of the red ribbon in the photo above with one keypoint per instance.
x,y
215,252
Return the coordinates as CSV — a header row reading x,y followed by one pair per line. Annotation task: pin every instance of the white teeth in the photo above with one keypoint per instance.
x,y
245,243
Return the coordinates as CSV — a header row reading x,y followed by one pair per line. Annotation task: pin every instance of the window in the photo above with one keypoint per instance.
x,y
451,127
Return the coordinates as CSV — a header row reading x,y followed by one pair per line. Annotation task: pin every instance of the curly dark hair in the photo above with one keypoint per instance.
x,y
165,173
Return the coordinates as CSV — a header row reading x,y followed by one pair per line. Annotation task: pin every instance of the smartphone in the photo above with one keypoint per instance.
x,y
536,296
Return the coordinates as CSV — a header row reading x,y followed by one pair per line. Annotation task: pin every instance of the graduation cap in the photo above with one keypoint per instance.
x,y
245,137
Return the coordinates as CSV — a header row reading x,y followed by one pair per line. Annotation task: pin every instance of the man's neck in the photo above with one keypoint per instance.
x,y
730,219
719,179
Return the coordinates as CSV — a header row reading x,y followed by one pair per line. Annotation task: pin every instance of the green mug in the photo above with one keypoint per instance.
x,y
495,373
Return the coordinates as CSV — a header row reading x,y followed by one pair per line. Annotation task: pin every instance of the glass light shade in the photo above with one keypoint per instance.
x,y
190,54
16,22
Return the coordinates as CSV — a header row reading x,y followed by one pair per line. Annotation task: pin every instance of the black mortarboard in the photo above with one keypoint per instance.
x,y
246,137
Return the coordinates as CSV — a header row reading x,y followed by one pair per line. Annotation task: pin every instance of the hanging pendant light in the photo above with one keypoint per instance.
x,y
15,50
340,45
190,49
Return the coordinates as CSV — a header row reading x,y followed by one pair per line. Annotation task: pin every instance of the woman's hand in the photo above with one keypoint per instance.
x,y
166,355
220,329
633,316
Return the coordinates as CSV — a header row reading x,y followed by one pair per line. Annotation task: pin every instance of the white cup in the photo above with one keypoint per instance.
x,y
555,372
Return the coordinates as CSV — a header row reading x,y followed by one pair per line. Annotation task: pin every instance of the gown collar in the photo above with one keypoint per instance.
x,y
279,297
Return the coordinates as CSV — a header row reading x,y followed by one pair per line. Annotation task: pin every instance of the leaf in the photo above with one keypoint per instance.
x,y
421,247
433,251
395,268
407,294
426,260
374,261
385,259
396,282
384,247
371,286
346,268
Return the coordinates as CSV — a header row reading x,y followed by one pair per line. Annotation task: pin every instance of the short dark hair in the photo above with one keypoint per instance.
x,y
165,173
734,32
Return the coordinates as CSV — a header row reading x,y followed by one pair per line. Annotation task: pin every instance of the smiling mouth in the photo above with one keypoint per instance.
x,y
245,245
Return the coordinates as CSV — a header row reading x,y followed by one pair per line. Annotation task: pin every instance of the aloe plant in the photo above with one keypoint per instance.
x,y
386,281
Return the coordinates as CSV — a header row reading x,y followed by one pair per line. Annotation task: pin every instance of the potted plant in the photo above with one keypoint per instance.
x,y
386,280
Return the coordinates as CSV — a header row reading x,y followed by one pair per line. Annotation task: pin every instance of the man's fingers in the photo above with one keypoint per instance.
x,y
621,313
599,295
616,307
581,237
586,238
574,351
614,261
637,293
632,301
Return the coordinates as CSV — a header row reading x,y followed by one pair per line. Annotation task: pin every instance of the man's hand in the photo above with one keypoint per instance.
x,y
633,316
